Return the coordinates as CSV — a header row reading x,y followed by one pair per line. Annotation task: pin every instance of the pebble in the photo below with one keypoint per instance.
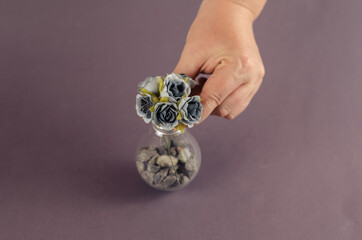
x,y
169,180
192,174
160,176
153,159
153,168
147,176
185,180
140,166
184,154
190,166
162,151
164,171
167,161
173,169
146,154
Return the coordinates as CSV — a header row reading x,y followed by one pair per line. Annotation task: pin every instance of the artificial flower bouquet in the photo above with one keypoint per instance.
x,y
165,102
168,158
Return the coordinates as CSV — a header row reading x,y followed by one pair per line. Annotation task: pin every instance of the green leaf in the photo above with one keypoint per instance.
x,y
164,99
160,84
145,91
181,127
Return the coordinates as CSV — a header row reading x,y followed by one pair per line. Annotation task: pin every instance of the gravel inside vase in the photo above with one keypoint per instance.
x,y
169,166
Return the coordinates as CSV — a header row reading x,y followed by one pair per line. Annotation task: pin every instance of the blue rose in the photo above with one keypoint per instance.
x,y
191,110
143,105
165,115
150,84
175,86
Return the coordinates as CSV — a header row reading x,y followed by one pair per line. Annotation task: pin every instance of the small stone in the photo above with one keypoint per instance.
x,y
190,166
167,161
147,176
185,180
160,175
140,166
151,165
192,174
153,159
173,169
145,154
162,151
169,180
184,154
153,168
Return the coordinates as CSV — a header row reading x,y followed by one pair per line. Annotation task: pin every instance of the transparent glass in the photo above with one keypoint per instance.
x,y
168,160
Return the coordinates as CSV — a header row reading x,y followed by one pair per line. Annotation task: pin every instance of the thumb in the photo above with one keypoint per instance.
x,y
189,63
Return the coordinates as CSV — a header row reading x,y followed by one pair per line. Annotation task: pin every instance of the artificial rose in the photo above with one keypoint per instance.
x,y
189,80
175,86
191,110
151,85
143,105
165,115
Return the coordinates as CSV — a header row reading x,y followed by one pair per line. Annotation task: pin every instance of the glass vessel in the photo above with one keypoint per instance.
x,y
168,159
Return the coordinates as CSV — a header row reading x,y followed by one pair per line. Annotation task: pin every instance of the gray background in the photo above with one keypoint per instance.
x,y
288,168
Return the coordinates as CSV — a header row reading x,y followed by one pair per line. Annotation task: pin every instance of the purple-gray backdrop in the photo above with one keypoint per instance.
x,y
289,168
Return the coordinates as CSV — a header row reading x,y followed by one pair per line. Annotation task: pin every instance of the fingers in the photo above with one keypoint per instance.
x,y
228,76
233,82
236,102
189,63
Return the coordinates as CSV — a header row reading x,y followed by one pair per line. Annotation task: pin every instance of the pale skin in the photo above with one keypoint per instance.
x,y
221,43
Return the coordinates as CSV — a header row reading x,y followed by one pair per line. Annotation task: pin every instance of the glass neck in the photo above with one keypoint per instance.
x,y
162,132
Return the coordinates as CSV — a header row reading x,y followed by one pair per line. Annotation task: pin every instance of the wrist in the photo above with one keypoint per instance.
x,y
221,12
246,7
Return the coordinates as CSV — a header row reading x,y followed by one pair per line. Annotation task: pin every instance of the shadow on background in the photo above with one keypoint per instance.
x,y
115,181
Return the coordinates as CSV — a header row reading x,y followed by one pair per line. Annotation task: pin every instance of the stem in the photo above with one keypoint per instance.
x,y
168,146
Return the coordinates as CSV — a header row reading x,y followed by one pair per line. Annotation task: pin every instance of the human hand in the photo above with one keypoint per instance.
x,y
221,42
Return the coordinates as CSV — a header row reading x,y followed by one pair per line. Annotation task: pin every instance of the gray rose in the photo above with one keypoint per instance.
x,y
191,110
176,87
150,84
165,115
143,105
189,80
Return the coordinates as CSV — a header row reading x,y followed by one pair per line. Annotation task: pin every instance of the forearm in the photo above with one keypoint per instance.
x,y
253,6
